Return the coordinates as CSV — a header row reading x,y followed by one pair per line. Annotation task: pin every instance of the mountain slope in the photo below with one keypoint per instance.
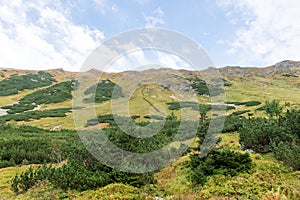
x,y
279,81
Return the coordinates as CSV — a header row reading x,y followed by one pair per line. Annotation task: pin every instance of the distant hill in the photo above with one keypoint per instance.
x,y
146,89
278,68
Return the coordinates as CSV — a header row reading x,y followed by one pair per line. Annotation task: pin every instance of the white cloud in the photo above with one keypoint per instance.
x,y
101,6
155,19
114,8
130,61
270,30
141,2
145,58
168,60
41,35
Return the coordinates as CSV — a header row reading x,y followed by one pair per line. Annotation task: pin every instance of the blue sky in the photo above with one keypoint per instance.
x,y
61,34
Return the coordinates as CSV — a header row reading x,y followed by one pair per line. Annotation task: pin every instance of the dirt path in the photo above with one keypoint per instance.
x,y
150,103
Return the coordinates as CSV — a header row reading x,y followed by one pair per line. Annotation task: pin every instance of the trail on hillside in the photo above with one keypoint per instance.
x,y
149,102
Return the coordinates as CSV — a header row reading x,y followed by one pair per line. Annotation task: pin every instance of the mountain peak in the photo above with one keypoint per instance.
x,y
287,64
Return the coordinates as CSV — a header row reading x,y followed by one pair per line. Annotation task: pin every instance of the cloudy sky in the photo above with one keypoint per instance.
x,y
44,34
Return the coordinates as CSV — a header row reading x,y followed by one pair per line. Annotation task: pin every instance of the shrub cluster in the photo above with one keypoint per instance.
x,y
222,80
19,107
280,135
37,114
229,124
228,163
14,84
240,112
77,176
289,75
203,88
103,91
31,145
157,117
82,170
196,106
54,94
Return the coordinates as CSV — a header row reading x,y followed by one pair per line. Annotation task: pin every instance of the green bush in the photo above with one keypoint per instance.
x,y
291,120
240,112
228,163
165,133
76,176
19,108
231,123
157,117
221,80
288,152
38,114
54,94
273,108
289,75
202,88
34,145
82,170
109,118
183,104
279,135
202,108
69,176
30,177
103,91
256,134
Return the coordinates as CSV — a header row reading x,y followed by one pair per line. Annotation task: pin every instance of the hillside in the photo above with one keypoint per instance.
x,y
279,81
40,112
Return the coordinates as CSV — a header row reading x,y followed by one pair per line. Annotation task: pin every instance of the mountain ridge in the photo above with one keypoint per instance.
x,y
285,64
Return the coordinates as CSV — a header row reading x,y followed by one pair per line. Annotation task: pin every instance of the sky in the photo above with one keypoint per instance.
x,y
46,34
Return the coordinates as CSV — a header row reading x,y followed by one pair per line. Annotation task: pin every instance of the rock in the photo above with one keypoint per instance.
x,y
3,112
287,64
249,151
55,127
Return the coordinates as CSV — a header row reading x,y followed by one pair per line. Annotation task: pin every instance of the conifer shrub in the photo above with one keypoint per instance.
x,y
15,83
217,162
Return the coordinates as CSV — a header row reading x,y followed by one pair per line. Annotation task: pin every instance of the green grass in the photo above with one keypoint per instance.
x,y
6,175
262,89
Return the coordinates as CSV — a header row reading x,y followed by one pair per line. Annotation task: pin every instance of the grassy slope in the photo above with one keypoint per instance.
x,y
243,89
264,88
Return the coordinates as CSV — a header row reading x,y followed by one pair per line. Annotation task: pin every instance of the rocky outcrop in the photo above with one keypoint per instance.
x,y
283,67
287,64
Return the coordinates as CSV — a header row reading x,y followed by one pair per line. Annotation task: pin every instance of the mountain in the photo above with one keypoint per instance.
x,y
146,88
278,68
53,116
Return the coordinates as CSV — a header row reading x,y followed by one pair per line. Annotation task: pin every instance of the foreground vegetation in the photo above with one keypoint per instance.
x,y
80,172
269,173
